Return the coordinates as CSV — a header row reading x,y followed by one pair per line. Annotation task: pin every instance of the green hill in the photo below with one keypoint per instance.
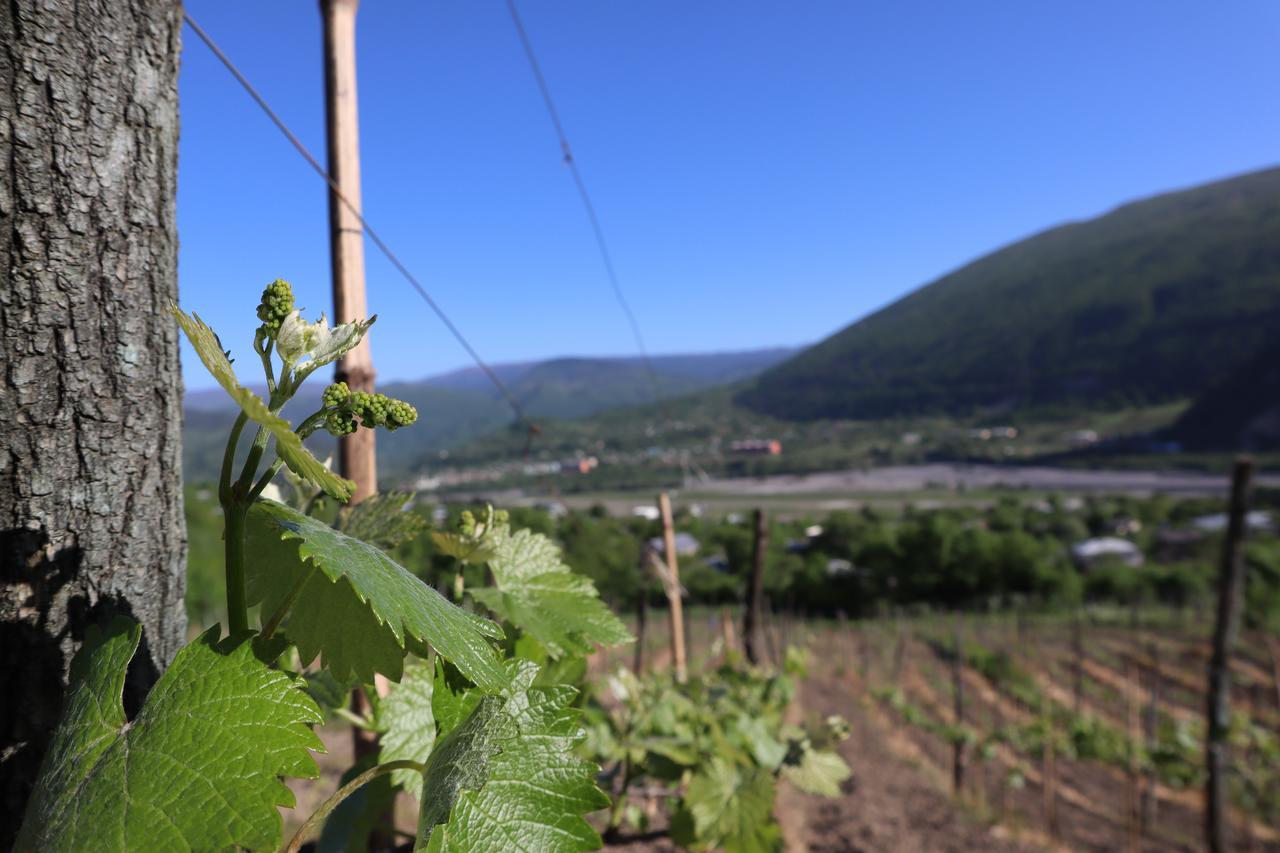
x,y
1242,412
1154,301
459,407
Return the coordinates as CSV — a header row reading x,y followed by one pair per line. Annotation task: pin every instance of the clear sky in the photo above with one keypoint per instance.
x,y
766,172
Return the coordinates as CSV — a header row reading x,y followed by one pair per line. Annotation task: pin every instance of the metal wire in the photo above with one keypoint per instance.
x,y
569,161
364,223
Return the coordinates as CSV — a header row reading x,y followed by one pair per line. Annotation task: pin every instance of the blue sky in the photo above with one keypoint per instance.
x,y
766,172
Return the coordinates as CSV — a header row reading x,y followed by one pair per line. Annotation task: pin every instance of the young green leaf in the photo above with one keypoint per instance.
x,y
542,596
732,808
198,768
818,772
384,520
289,445
451,700
407,724
306,346
508,777
356,606
760,739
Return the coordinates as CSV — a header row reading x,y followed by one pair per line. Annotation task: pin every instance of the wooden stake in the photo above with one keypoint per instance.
x,y
900,651
1077,649
751,622
958,755
1131,768
642,616
1149,800
1273,648
1226,629
730,642
356,453
673,588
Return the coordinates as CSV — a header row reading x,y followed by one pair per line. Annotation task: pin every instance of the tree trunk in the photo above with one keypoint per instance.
x,y
91,520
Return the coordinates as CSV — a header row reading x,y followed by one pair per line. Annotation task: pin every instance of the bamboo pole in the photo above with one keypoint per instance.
x,y
642,617
1273,648
1150,719
728,640
958,754
1132,820
356,453
673,588
755,591
1077,652
1226,629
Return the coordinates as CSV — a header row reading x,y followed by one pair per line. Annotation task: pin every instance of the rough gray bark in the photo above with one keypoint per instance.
x,y
91,516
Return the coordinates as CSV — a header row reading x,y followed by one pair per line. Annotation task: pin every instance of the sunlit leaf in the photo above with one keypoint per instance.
x,y
508,778
355,606
542,596
198,769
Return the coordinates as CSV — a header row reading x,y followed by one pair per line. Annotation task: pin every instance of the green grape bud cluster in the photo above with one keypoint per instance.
x,y
350,409
277,303
473,528
335,395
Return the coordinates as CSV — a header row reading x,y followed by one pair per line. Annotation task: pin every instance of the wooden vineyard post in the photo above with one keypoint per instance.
x,y
1150,719
958,756
900,650
752,618
997,722
673,588
730,642
356,452
1131,822
1077,653
1226,628
1273,648
1049,770
642,613
864,647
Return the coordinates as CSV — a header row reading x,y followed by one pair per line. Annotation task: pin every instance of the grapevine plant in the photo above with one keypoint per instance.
x,y
716,746
481,726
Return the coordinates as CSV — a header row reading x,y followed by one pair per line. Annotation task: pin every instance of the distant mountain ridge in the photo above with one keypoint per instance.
x,y
1157,300
461,405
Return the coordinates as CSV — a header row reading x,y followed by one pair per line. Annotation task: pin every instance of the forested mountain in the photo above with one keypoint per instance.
x,y
1157,300
1242,412
457,407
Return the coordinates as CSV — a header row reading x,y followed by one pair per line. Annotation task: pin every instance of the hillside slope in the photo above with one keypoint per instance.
x,y
576,386
1156,300
1242,412
458,407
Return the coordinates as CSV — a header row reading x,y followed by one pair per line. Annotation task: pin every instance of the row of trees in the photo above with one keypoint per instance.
x,y
867,562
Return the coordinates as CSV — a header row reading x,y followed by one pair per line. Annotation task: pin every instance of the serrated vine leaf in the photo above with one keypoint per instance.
x,y
765,748
289,445
542,596
818,772
198,768
355,606
384,520
408,725
732,808
465,549
508,777
451,701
